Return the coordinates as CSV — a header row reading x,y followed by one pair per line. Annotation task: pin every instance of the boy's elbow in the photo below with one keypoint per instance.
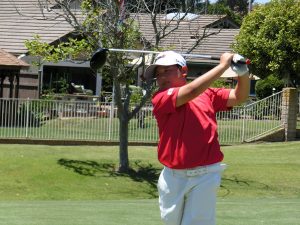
x,y
237,98
242,98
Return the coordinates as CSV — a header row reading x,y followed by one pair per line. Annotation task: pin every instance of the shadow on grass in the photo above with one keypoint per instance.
x,y
234,181
138,173
86,168
141,172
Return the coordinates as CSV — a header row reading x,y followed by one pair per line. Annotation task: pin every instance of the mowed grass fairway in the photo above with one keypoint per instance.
x,y
78,185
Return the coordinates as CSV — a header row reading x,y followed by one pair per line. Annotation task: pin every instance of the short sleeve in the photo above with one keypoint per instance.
x,y
219,98
165,101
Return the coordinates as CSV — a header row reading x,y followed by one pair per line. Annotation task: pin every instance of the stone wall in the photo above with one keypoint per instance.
x,y
289,112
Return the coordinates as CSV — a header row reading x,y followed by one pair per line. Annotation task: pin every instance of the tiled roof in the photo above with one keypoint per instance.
x,y
7,59
20,20
216,42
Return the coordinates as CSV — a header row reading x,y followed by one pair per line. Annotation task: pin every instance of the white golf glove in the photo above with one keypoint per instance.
x,y
240,68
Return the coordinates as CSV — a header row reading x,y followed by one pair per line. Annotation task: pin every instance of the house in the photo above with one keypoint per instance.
x,y
214,34
20,20
10,67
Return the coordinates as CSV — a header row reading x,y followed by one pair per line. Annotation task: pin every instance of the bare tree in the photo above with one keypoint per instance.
x,y
115,24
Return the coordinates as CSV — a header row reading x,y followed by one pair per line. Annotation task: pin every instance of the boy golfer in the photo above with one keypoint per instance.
x,y
188,145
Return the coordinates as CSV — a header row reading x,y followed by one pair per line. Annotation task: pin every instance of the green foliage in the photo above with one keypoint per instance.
x,y
38,48
270,37
264,88
62,86
136,94
220,83
71,49
59,84
221,8
238,6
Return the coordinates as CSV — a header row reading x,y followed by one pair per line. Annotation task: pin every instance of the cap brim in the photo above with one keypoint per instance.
x,y
149,72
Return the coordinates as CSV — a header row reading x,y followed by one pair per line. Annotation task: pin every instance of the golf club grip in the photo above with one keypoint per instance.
x,y
215,58
242,62
238,62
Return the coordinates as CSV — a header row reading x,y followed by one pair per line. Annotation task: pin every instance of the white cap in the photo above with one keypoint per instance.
x,y
166,58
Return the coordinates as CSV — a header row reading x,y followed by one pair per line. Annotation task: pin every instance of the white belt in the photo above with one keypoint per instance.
x,y
201,170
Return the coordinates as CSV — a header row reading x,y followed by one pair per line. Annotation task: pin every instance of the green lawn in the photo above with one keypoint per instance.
x,y
131,212
77,185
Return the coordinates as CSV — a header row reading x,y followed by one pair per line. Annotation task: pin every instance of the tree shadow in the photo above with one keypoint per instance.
x,y
228,183
146,172
86,168
140,172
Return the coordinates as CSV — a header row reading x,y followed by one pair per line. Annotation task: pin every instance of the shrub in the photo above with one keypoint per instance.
x,y
264,88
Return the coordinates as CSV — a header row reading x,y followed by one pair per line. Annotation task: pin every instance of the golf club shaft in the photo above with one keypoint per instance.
x,y
155,52
247,61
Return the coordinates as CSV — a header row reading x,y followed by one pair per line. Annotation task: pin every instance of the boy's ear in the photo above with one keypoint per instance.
x,y
184,71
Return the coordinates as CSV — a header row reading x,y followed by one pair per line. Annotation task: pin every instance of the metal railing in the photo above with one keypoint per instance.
x,y
97,121
70,120
252,121
298,102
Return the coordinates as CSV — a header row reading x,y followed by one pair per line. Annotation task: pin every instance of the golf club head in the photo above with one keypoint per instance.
x,y
98,58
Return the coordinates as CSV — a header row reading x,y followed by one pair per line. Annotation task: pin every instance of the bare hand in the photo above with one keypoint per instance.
x,y
226,59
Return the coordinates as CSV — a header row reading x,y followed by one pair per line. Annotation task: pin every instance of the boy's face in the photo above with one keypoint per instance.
x,y
169,76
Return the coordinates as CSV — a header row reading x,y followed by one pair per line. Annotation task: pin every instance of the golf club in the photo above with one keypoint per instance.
x,y
99,57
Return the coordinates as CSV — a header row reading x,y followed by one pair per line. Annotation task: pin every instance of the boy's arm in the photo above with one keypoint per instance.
x,y
241,91
199,85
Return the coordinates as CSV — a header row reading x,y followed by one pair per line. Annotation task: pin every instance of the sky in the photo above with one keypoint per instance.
x,y
261,1
255,1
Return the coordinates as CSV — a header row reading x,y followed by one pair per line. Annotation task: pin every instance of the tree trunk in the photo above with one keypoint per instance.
x,y
123,147
183,5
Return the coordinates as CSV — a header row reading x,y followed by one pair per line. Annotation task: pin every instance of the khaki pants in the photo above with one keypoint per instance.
x,y
188,197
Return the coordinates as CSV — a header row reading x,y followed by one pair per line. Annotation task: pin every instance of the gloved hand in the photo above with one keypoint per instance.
x,y
240,68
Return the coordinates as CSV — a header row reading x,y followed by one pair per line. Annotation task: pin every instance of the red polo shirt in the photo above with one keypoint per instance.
x,y
188,134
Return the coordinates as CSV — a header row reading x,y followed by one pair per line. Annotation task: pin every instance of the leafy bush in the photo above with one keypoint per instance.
x,y
264,88
220,83
269,36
